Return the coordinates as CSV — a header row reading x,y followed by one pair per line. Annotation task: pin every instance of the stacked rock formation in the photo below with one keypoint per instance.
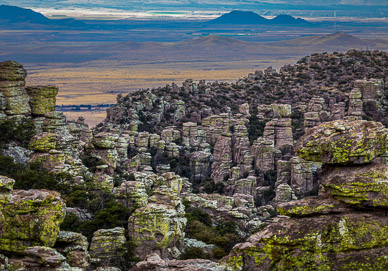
x,y
345,227
14,96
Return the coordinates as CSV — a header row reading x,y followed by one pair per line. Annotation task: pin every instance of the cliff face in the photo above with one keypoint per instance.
x,y
283,164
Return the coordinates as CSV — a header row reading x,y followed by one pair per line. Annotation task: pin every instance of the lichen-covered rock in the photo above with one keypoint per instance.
x,y
31,218
159,226
12,76
132,194
312,206
42,99
19,154
363,186
107,245
326,242
344,142
6,187
43,142
12,71
74,246
153,262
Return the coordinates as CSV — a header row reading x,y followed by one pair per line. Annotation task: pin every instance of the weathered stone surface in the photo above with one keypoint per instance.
x,y
74,246
363,186
42,99
312,206
31,218
334,242
263,152
107,244
12,71
344,142
302,179
194,243
222,156
153,262
199,163
12,76
39,256
159,226
19,154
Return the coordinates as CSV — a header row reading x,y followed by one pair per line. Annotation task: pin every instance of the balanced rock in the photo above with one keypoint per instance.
x,y
42,99
344,142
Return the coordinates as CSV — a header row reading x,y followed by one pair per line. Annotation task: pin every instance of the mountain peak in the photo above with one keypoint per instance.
x,y
239,17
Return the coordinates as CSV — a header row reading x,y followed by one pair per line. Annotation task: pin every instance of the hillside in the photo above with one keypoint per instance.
x,y
21,18
192,177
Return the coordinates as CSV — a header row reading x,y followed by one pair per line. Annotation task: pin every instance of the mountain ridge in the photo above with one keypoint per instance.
x,y
249,17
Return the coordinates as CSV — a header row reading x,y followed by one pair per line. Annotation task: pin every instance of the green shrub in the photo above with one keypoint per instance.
x,y
194,253
21,132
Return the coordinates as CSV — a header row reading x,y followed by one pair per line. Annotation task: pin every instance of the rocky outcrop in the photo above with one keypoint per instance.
x,y
107,245
153,262
158,227
30,218
345,227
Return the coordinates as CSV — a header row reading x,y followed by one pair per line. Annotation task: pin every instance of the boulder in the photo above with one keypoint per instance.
x,y
107,245
31,218
363,186
326,242
159,226
344,142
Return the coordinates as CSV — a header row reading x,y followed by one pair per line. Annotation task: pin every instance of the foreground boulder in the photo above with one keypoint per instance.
x,y
30,218
346,226
326,242
344,142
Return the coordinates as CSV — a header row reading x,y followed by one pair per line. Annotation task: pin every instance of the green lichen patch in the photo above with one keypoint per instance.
x,y
344,142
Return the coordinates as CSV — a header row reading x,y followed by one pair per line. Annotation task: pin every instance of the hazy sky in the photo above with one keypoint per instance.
x,y
129,3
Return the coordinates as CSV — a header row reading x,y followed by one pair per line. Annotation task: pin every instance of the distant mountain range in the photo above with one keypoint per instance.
x,y
248,17
13,16
16,17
